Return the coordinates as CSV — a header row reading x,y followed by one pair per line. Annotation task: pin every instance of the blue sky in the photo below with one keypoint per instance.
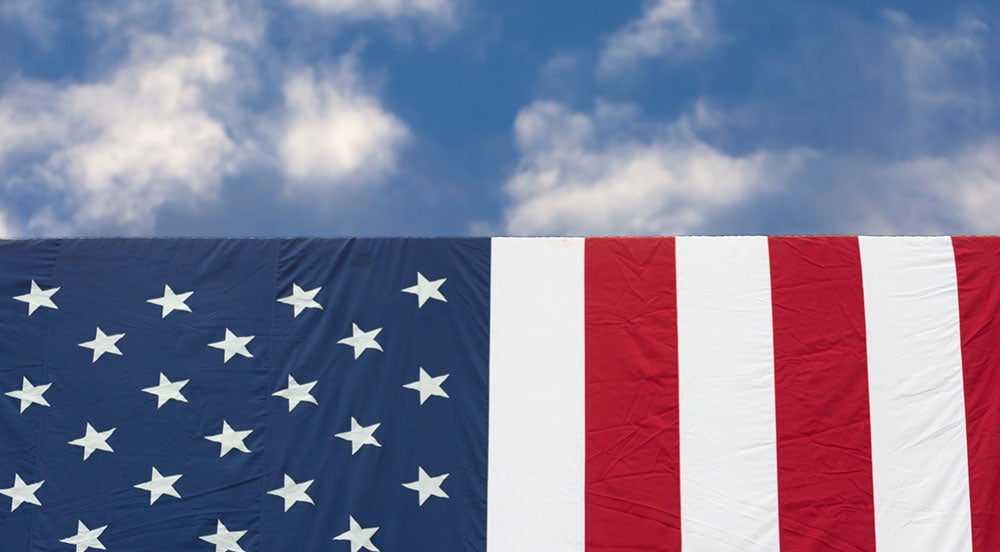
x,y
459,117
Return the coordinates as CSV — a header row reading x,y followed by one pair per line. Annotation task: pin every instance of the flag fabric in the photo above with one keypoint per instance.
x,y
505,394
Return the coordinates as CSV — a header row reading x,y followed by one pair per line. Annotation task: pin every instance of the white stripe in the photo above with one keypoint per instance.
x,y
536,450
919,463
728,456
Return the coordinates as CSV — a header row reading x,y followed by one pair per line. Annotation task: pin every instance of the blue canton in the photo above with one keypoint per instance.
x,y
228,395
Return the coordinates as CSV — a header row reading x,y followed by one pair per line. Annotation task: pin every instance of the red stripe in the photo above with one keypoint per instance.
x,y
825,499
977,263
633,442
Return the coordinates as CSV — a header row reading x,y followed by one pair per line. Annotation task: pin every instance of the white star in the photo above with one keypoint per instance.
x,y
21,493
297,393
361,340
360,436
358,536
30,394
159,485
38,297
224,539
427,486
230,439
301,299
94,440
233,345
167,390
103,343
86,538
428,386
171,301
426,289
293,492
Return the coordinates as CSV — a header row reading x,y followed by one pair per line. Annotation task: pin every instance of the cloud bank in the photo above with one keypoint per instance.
x,y
169,124
604,173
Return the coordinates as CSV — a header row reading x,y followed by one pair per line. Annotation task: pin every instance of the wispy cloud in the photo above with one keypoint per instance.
x,y
944,73
32,16
368,9
234,22
611,171
955,192
7,230
942,173
966,185
666,29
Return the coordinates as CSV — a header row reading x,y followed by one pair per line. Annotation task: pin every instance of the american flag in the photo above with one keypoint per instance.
x,y
505,394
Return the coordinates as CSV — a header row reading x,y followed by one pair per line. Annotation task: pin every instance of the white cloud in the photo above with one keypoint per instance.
x,y
603,173
667,28
110,153
367,9
334,133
